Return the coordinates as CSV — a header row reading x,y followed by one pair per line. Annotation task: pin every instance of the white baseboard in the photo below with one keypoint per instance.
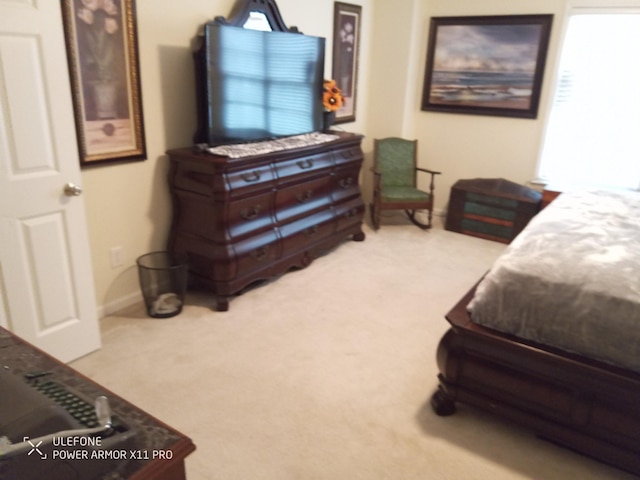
x,y
118,304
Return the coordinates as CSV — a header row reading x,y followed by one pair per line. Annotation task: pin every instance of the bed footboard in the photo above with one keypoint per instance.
x,y
587,406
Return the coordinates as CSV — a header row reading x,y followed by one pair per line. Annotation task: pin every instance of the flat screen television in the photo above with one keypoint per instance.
x,y
257,85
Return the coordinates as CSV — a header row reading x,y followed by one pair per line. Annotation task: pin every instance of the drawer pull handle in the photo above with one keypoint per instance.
x,y
311,231
250,213
304,197
350,213
260,254
346,182
305,164
252,177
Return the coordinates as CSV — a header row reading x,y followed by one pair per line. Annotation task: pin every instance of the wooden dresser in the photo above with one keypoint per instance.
x,y
247,219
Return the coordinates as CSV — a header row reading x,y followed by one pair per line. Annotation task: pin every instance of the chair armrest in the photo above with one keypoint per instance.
x,y
432,172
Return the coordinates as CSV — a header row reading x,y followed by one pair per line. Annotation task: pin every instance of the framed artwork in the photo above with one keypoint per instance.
x,y
346,45
102,51
489,65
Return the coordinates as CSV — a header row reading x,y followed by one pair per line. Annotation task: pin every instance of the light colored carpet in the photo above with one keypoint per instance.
x,y
326,373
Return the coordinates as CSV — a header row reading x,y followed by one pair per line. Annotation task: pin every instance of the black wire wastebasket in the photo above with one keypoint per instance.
x,y
163,281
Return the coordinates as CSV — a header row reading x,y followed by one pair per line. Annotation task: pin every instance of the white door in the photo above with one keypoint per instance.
x,y
46,283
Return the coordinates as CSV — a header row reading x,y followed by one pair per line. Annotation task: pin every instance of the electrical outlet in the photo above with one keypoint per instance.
x,y
116,257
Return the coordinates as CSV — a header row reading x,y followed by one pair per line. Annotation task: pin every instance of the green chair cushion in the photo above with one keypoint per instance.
x,y
408,194
396,161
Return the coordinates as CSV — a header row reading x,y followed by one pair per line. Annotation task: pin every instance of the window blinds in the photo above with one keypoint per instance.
x,y
593,131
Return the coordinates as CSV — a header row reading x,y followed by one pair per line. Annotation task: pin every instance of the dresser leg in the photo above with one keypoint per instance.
x,y
442,405
222,303
358,237
306,260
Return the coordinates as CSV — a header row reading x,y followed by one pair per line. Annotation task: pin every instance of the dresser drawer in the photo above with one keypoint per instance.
x,y
345,183
347,155
222,263
196,177
250,181
310,165
255,253
349,213
302,233
249,215
197,216
298,200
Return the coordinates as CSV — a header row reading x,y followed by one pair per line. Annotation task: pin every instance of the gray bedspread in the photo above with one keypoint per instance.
x,y
571,279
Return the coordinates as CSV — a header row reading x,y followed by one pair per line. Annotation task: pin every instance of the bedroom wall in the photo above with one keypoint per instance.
x,y
461,146
128,204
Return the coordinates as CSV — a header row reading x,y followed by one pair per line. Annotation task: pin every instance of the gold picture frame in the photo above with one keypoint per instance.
x,y
102,51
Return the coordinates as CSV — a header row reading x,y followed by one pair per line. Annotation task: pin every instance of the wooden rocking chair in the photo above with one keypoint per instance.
x,y
394,184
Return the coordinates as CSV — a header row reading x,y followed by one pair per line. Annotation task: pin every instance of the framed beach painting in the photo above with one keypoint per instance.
x,y
102,51
490,65
346,45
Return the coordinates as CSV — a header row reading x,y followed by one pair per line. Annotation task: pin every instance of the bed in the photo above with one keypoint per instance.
x,y
550,336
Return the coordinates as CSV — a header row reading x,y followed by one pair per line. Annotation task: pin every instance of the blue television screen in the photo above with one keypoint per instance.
x,y
261,85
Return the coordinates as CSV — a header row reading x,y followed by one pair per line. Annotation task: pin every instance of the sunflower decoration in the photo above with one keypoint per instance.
x,y
332,98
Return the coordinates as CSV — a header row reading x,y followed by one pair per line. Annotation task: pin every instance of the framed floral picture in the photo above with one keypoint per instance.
x,y
102,52
491,65
346,44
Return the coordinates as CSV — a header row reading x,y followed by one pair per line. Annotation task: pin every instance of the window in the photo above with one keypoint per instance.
x,y
593,131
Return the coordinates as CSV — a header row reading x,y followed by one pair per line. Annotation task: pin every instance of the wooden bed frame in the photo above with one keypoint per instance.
x,y
587,406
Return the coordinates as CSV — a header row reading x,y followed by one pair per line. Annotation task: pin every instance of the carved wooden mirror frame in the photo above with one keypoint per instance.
x,y
257,15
